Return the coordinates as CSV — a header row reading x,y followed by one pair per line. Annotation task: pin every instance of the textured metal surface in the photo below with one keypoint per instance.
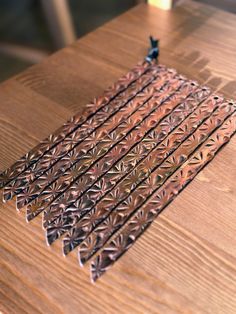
x,y
101,140
92,149
67,218
129,161
144,216
104,176
122,212
72,124
71,143
141,192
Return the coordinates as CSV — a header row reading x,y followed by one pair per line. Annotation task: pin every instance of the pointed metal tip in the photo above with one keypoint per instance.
x,y
5,198
26,219
19,204
93,275
49,239
29,216
65,248
43,224
81,260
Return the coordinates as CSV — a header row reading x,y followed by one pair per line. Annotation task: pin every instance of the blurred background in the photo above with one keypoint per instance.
x,y
32,29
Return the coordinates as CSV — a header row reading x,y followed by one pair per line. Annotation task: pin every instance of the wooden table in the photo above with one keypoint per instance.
x,y
186,261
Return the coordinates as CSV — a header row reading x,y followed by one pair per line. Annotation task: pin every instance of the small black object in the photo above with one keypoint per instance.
x,y
153,52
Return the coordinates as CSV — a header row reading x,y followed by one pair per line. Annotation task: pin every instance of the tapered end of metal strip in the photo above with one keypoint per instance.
x,y
49,237
19,203
29,215
94,273
66,247
7,194
81,260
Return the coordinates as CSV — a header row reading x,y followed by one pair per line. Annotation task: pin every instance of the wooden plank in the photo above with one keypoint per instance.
x,y
185,262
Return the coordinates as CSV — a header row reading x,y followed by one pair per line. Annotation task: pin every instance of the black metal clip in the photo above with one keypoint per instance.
x,y
153,52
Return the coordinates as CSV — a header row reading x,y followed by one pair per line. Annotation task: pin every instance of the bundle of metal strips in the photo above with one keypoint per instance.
x,y
107,173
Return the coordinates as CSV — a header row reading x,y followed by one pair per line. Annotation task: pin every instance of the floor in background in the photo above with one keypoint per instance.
x,y
22,22
227,5
9,66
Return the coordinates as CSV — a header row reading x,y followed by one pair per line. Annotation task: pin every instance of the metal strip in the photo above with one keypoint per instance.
x,y
72,124
66,216
105,175
141,183
64,206
146,214
127,207
88,158
95,124
148,124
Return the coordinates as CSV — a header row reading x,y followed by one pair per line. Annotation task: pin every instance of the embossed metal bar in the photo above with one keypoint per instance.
x,y
124,210
137,183
66,218
34,209
72,124
65,207
97,123
87,158
67,145
146,214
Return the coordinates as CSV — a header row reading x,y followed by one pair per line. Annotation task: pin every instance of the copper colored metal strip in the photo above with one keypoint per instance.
x,y
64,207
134,155
137,184
72,124
146,214
87,159
126,208
101,143
66,217
95,125
84,208
140,151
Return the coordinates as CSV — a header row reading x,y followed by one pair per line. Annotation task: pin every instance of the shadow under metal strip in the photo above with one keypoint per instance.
x,y
57,220
67,175
135,227
137,198
72,124
94,124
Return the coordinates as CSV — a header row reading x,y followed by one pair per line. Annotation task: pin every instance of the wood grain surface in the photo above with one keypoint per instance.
x,y
186,261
